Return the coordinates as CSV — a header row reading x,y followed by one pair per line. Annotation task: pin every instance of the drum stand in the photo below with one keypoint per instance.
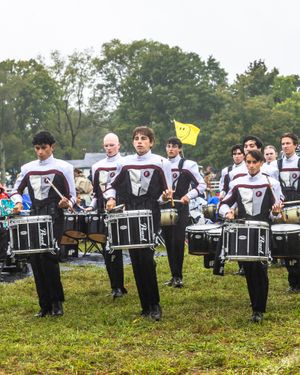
x,y
92,246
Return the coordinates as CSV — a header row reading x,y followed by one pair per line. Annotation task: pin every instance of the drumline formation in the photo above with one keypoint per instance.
x,y
119,229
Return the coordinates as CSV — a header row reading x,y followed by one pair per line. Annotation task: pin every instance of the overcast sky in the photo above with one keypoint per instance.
x,y
235,32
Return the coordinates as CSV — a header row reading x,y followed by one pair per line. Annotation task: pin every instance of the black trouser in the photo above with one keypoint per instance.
x,y
115,269
46,272
144,270
293,268
174,236
258,284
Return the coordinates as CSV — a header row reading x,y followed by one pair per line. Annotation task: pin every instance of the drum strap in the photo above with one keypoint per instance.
x,y
180,166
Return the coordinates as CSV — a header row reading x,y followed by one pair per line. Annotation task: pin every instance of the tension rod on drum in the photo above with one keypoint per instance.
x,y
47,180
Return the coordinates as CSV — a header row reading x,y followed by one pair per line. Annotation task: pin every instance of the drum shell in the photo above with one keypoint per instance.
x,y
4,239
214,236
168,217
130,229
96,227
210,211
291,215
285,241
31,234
247,241
75,225
199,241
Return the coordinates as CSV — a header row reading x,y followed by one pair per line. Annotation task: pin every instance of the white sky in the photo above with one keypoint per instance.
x,y
235,32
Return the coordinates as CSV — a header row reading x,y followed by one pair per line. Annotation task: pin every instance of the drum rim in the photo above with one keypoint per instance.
x,y
30,219
129,213
282,231
214,226
249,223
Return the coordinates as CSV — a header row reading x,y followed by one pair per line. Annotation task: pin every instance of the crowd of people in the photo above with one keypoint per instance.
x,y
253,189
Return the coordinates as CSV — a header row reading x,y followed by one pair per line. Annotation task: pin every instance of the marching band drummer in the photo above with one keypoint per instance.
x,y
139,182
102,173
45,201
257,198
289,176
184,174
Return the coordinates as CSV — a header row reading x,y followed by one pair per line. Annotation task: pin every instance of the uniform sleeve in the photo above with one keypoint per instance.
x,y
69,175
221,182
16,195
228,202
199,182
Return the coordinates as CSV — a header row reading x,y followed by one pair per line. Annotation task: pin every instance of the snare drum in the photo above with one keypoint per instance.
x,y
247,241
286,240
213,237
291,215
199,238
96,228
31,234
130,229
168,216
75,224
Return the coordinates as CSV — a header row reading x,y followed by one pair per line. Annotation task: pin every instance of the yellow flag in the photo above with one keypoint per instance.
x,y
187,133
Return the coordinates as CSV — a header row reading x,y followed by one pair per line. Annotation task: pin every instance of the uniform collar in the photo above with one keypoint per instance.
x,y
175,160
145,156
47,161
256,177
292,158
113,158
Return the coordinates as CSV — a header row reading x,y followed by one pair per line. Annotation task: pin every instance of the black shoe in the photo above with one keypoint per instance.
x,y
293,289
170,282
116,293
155,312
145,313
42,313
257,317
124,290
177,282
57,308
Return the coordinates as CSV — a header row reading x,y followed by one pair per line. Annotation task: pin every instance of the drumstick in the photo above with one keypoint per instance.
x,y
290,202
47,180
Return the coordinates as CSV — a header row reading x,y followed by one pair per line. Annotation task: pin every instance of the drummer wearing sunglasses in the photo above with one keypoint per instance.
x,y
257,198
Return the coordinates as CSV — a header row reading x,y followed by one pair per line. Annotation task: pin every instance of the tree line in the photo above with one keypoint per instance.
x,y
81,97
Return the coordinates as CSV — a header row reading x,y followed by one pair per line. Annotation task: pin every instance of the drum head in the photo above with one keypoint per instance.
x,y
285,228
202,227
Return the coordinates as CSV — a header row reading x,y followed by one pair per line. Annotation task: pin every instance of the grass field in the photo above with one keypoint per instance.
x,y
205,327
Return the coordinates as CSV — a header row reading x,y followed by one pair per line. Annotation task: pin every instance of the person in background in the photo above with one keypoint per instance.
x,y
185,173
271,155
289,177
102,173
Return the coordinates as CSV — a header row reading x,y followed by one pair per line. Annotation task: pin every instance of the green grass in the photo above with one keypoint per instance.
x,y
205,327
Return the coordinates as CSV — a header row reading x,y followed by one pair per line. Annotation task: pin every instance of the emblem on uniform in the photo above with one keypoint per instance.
x,y
112,174
146,173
174,175
294,175
258,193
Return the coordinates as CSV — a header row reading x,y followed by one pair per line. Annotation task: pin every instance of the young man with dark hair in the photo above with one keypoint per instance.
x,y
35,176
187,184
289,177
139,182
238,155
255,200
